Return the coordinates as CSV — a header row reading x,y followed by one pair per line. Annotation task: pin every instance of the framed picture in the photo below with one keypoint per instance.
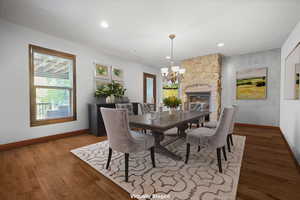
x,y
251,84
117,74
102,71
100,82
297,72
292,71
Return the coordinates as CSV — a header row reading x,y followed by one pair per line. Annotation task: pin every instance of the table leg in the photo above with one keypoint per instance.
x,y
161,149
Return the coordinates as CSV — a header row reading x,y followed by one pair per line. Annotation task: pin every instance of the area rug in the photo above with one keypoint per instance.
x,y
199,179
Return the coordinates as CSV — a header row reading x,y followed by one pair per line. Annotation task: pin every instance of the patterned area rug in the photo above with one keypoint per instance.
x,y
199,179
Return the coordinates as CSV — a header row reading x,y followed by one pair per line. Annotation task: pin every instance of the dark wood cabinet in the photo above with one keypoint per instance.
x,y
96,124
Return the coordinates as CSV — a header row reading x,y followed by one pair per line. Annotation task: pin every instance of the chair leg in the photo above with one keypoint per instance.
x,y
228,143
187,153
219,159
198,148
152,156
126,166
231,140
224,153
109,157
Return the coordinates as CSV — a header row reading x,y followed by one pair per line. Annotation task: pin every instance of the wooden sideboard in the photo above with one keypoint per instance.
x,y
96,124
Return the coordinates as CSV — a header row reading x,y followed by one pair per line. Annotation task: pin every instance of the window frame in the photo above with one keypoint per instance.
x,y
33,120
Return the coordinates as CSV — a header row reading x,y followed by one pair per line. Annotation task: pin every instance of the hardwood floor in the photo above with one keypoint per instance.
x,y
50,171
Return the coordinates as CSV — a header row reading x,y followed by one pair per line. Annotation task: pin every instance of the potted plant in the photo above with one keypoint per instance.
x,y
172,102
110,91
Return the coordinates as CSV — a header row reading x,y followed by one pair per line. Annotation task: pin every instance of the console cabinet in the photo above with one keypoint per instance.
x,y
96,124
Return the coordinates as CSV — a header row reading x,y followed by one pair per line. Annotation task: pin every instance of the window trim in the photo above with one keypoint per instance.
x,y
32,87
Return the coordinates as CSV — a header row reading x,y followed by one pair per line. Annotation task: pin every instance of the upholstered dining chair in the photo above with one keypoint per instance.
x,y
215,139
201,121
122,139
145,108
231,129
127,106
213,124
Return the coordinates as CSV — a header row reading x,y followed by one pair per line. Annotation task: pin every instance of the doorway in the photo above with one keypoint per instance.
x,y
150,89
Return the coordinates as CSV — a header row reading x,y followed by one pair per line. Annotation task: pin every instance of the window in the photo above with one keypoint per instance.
x,y
52,86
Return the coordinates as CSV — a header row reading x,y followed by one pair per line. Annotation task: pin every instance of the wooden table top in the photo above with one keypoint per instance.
x,y
164,121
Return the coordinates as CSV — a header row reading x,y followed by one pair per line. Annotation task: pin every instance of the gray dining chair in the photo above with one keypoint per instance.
x,y
145,108
213,124
214,139
122,139
198,107
231,129
127,106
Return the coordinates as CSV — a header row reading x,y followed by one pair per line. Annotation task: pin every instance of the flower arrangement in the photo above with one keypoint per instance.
x,y
172,102
113,88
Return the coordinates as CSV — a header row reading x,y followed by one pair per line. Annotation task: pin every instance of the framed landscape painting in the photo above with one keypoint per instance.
x,y
102,71
117,74
251,84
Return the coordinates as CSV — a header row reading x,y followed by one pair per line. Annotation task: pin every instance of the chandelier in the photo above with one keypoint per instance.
x,y
173,73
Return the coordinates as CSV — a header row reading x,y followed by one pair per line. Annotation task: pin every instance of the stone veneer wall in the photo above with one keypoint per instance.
x,y
203,74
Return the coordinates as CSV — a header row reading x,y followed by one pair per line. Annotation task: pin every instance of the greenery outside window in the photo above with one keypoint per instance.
x,y
52,86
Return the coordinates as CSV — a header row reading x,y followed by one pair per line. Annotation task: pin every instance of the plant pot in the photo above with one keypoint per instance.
x,y
100,100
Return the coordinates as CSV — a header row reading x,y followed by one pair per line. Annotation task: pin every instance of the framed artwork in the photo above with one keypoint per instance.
x,y
117,74
100,82
102,71
251,84
292,71
297,72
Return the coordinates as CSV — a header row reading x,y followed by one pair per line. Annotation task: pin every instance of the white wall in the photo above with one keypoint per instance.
x,y
290,109
261,112
14,81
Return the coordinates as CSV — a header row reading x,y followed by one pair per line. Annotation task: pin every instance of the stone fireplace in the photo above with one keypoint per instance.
x,y
202,83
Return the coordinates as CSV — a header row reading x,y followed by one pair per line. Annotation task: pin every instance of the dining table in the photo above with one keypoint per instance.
x,y
159,122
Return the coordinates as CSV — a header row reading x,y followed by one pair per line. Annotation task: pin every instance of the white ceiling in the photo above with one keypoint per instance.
x,y
139,29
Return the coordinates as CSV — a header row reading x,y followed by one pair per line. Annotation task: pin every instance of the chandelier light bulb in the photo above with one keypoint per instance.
x,y
175,68
164,70
181,71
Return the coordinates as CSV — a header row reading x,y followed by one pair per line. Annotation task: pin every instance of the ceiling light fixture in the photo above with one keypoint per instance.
x,y
173,73
104,24
220,44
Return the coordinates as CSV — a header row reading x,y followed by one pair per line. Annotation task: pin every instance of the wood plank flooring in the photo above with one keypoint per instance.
x,y
49,171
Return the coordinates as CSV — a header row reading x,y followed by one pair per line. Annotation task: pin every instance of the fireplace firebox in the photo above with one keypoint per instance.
x,y
199,101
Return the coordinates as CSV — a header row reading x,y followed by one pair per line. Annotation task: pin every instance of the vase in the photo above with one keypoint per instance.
x,y
172,111
110,99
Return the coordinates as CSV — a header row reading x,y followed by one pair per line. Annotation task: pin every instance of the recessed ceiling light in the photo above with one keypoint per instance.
x,y
220,44
168,57
104,24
